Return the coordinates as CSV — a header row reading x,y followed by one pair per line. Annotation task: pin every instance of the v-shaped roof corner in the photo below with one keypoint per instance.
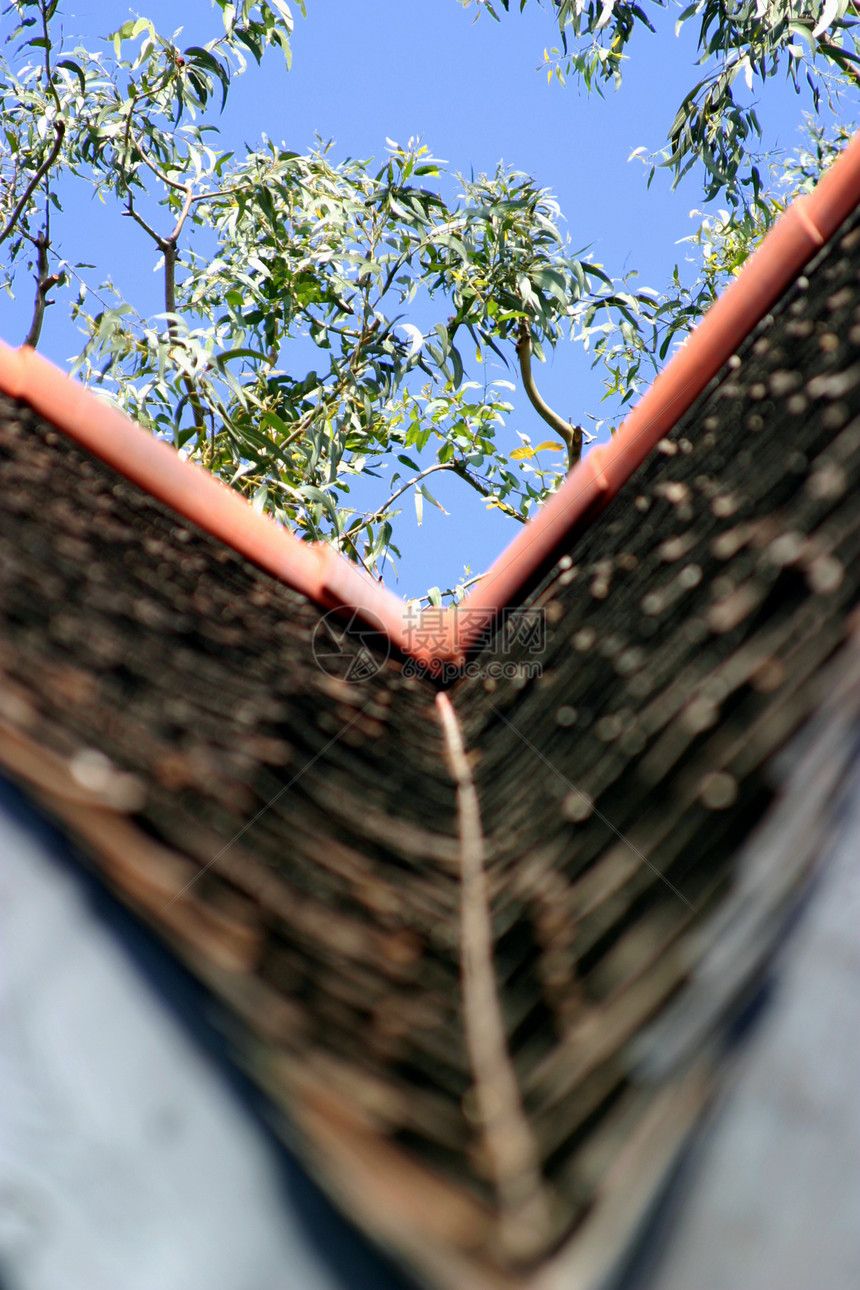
x,y
329,579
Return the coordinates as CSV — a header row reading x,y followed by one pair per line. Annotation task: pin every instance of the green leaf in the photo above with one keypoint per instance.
x,y
314,494
283,12
430,498
72,66
243,352
276,423
457,364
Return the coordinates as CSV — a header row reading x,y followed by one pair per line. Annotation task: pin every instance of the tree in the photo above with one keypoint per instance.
x,y
814,43
286,358
716,130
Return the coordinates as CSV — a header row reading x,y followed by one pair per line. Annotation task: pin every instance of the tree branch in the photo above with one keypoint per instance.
x,y
170,286
167,246
44,282
156,170
460,468
183,215
416,479
571,434
470,582
156,237
43,9
221,192
60,131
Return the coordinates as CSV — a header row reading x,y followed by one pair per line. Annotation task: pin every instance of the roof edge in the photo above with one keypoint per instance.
x,y
313,569
807,225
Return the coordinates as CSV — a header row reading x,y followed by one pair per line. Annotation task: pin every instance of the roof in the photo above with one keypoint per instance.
x,y
483,946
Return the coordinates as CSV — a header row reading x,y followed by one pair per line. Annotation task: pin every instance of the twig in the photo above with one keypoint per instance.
x,y
156,237
60,130
44,282
183,188
525,1225
571,434
360,558
222,192
458,468
156,170
416,479
470,582
43,9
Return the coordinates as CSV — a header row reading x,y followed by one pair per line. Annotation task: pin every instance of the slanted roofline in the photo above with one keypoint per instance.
x,y
329,579
313,569
798,234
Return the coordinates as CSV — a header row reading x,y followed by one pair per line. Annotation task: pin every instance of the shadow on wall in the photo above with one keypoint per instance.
x,y
133,1153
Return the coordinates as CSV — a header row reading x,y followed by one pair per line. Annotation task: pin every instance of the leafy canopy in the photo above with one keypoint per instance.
x,y
741,44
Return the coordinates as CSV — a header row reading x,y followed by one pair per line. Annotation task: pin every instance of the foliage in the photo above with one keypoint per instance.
x,y
721,244
814,43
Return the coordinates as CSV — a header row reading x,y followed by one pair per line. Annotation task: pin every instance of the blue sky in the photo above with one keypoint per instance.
x,y
364,71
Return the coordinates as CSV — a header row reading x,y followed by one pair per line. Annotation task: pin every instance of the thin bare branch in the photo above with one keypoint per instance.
x,y
416,479
60,132
167,246
173,237
360,558
72,272
43,9
571,434
156,237
522,1193
470,582
221,192
44,282
156,170
456,467
462,470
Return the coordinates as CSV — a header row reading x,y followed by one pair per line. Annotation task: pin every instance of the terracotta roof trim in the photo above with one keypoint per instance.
x,y
313,569
329,579
798,235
